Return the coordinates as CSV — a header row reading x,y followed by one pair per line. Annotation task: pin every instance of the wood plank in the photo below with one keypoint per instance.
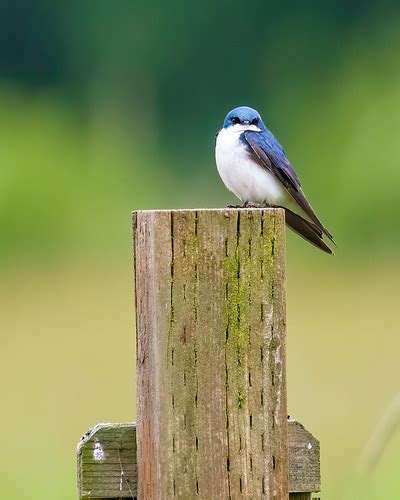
x,y
101,474
304,459
211,385
107,465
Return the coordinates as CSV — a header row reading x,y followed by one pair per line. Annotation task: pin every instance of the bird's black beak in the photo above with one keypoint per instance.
x,y
245,122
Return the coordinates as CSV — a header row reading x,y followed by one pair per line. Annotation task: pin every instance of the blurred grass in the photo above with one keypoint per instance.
x,y
69,172
68,362
342,347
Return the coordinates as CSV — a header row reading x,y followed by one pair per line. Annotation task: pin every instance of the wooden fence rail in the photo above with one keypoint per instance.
x,y
211,374
107,466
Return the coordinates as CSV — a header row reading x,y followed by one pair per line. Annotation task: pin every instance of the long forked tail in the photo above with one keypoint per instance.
x,y
306,230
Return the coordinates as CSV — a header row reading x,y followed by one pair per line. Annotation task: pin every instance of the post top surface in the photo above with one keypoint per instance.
x,y
224,209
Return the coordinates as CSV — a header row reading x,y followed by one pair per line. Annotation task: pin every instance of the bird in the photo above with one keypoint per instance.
x,y
253,165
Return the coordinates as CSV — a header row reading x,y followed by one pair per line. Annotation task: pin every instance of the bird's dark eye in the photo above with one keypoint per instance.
x,y
235,119
254,121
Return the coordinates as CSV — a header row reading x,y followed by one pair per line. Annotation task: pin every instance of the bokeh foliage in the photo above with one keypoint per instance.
x,y
108,108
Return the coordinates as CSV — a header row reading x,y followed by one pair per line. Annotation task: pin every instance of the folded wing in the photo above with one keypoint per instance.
x,y
270,155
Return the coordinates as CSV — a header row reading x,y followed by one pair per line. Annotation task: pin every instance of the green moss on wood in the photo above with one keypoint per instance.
x,y
241,400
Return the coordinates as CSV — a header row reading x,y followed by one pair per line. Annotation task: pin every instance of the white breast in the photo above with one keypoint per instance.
x,y
240,173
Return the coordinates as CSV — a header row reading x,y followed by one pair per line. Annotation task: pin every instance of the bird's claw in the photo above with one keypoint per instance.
x,y
248,204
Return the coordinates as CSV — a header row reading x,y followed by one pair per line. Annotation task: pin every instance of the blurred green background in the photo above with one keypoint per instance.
x,y
108,107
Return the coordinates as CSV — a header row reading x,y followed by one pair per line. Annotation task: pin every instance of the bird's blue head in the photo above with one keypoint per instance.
x,y
243,116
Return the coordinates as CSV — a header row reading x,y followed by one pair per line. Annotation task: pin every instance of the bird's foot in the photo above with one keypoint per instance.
x,y
248,204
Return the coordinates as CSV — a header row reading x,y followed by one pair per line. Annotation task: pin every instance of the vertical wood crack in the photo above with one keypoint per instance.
x,y
227,420
227,381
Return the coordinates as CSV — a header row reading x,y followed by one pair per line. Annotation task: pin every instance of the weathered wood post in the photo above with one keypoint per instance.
x,y
211,382
210,368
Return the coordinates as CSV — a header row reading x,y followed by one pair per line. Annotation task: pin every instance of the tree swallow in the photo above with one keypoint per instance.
x,y
253,165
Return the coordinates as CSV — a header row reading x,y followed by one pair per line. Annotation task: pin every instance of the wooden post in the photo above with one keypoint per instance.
x,y
211,382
